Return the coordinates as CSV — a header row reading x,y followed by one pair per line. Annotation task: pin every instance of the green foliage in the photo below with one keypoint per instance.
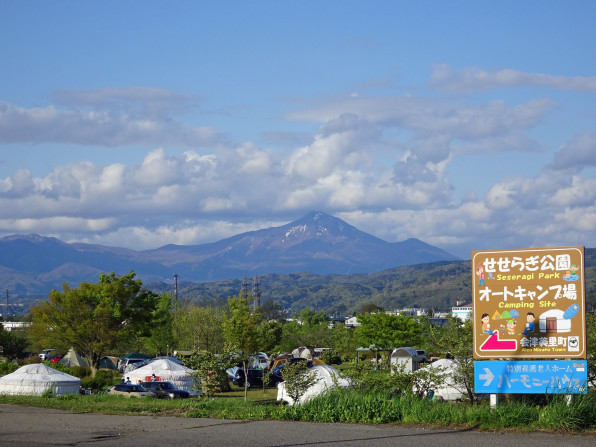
x,y
591,347
81,371
384,332
161,339
370,308
363,375
210,370
94,318
311,329
103,379
331,357
298,379
438,285
59,367
418,382
240,329
199,328
48,394
7,367
349,406
12,345
455,338
269,334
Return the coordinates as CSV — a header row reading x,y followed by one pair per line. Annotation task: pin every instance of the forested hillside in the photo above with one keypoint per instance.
x,y
437,285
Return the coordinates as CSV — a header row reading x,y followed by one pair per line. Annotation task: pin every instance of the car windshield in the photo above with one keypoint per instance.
x,y
167,386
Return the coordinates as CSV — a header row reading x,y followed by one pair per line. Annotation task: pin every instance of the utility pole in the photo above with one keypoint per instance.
x,y
175,291
6,308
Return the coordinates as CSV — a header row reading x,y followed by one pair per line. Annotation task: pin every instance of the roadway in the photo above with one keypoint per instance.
x,y
28,426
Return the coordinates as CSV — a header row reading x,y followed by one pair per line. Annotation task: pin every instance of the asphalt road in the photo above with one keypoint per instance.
x,y
28,426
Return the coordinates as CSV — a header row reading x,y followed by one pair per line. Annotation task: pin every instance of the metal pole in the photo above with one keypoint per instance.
x,y
175,291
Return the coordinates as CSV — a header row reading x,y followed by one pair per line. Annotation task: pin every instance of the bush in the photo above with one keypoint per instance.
x,y
59,367
7,367
331,357
103,379
80,371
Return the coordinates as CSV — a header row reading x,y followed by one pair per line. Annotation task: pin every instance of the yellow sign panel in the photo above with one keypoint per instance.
x,y
529,303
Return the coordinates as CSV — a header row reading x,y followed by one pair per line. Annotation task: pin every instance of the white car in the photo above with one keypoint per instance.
x,y
46,354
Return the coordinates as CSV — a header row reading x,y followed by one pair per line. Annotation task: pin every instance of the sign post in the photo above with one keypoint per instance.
x,y
529,304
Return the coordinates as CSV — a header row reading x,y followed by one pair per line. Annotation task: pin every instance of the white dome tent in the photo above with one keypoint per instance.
x,y
165,370
36,379
327,377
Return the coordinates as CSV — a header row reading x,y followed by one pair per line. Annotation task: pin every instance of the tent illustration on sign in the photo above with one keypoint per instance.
x,y
556,320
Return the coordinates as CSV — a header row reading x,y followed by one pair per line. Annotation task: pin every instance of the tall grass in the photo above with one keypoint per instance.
x,y
352,406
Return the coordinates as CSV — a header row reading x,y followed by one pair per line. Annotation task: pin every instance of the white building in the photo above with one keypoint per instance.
x,y
463,312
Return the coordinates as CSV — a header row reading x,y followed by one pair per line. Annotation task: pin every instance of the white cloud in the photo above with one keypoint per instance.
x,y
381,163
577,154
474,79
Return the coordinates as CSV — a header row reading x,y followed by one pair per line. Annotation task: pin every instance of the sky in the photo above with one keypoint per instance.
x,y
468,125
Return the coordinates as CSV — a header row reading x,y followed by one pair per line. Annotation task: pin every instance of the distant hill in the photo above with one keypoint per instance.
x,y
318,243
438,285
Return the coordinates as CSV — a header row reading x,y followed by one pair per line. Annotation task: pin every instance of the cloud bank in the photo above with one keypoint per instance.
x,y
387,165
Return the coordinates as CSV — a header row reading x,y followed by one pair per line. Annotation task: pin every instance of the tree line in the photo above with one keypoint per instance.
x,y
117,315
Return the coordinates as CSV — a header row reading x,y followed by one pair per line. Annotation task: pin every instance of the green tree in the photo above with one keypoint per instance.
x,y
269,333
370,308
384,332
161,339
241,331
298,379
12,345
199,328
272,310
455,339
309,329
210,369
94,318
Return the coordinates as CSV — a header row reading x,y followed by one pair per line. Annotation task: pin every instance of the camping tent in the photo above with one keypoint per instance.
x,y
451,389
72,358
327,378
108,362
165,370
407,358
36,379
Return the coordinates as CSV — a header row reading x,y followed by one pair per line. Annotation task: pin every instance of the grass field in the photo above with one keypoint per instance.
x,y
343,406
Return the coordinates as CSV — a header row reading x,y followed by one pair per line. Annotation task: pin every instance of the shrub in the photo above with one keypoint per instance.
x,y
331,357
103,379
298,379
7,367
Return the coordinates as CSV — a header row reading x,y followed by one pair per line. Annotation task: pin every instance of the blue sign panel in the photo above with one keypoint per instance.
x,y
531,377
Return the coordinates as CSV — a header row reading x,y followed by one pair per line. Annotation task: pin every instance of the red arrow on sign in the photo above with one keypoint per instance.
x,y
493,343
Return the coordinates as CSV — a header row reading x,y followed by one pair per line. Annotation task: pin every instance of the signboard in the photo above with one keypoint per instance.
x,y
529,303
531,377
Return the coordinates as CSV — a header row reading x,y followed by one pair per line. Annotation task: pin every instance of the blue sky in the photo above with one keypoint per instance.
x,y
469,125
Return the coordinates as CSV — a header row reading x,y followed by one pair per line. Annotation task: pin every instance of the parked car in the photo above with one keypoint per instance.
x,y
131,391
46,354
166,390
56,359
237,376
276,377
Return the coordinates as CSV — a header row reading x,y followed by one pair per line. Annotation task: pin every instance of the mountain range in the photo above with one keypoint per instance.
x,y
317,243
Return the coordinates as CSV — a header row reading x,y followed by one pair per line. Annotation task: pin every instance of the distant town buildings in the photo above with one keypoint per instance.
x,y
462,311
